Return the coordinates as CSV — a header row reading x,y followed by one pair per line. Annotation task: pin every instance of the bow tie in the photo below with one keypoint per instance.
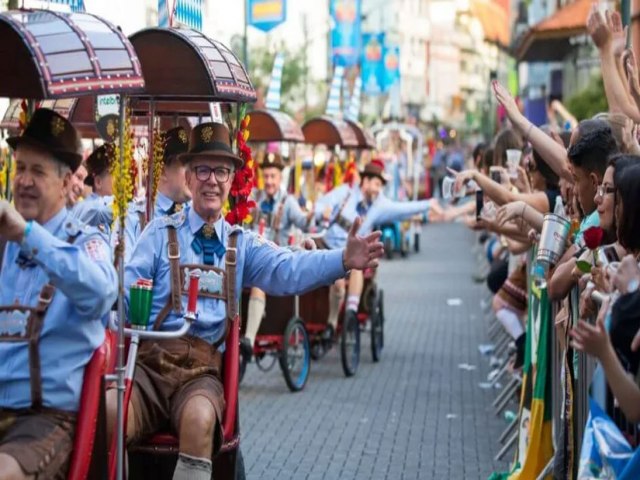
x,y
25,262
207,242
362,208
266,206
175,207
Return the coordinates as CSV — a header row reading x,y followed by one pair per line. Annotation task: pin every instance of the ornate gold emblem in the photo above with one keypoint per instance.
x,y
57,126
178,207
271,158
208,231
207,133
182,135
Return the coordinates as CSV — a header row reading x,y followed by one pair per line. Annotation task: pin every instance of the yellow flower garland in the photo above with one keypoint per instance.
x,y
122,181
158,154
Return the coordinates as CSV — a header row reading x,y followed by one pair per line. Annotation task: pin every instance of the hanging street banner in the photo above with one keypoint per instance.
x,y
345,31
391,66
372,67
265,15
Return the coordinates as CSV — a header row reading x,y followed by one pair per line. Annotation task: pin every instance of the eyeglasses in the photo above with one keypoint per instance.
x,y
203,173
605,190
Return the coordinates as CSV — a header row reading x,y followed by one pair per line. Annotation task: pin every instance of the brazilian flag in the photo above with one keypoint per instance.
x,y
535,444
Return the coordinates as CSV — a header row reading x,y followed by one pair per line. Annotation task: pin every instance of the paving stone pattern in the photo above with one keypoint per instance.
x,y
414,415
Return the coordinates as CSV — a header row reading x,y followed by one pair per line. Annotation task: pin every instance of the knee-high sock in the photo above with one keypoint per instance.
x,y
336,296
254,318
510,321
192,468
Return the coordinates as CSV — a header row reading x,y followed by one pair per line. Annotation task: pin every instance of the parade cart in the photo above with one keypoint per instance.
x,y
55,57
187,71
408,235
314,306
282,335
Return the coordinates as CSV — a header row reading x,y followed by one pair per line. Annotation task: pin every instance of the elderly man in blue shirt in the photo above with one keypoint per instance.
x,y
177,382
340,207
57,284
280,212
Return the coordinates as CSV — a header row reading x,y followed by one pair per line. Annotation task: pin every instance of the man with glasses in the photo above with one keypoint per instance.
x,y
278,211
177,382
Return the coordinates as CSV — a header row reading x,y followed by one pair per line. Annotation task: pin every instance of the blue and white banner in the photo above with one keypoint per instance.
x,y
333,104
275,85
391,66
372,66
75,5
266,14
345,31
185,12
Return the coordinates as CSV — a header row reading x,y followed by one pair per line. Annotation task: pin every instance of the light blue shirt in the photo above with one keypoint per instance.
x,y
275,270
292,215
592,220
381,211
86,288
95,211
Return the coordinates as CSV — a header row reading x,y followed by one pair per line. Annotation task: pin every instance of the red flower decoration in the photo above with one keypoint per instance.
x,y
242,182
593,237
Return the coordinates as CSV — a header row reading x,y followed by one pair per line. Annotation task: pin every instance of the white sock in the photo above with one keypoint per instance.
x,y
254,318
335,300
192,468
353,301
510,321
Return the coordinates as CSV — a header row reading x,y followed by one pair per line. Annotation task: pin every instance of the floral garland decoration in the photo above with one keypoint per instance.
x,y
158,154
123,178
328,177
239,204
350,171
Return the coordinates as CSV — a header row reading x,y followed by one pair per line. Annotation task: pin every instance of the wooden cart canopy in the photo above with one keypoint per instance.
x,y
273,126
180,63
365,139
49,54
330,132
79,111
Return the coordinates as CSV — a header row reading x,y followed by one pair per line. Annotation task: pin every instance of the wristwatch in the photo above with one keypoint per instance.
x,y
633,285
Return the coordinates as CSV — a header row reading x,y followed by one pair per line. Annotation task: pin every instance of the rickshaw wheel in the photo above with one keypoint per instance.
x,y
317,349
350,344
295,358
263,364
377,327
416,242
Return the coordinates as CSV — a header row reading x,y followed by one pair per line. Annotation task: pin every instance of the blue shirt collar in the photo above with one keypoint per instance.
x,y
196,222
54,223
163,202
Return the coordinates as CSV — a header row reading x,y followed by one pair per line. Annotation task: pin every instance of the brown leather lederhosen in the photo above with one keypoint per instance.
x,y
228,294
35,322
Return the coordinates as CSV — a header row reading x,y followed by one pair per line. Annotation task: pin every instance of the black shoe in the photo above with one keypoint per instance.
x,y
246,349
328,336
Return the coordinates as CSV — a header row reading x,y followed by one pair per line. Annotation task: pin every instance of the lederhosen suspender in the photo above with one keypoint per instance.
x,y
174,302
35,322
142,218
339,219
3,244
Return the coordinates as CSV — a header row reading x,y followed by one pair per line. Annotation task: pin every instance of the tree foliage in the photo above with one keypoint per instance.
x,y
588,102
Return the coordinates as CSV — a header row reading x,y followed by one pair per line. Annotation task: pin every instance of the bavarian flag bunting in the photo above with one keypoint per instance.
x,y
534,445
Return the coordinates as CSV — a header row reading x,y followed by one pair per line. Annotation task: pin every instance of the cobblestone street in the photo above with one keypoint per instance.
x,y
416,414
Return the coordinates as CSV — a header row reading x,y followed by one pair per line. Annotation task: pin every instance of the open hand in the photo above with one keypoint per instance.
x,y
618,33
631,69
628,273
12,225
362,252
505,99
592,339
599,29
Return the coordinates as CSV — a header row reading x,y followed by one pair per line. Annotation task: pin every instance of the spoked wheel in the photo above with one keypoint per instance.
x,y
377,327
416,242
295,358
317,350
265,362
243,367
350,344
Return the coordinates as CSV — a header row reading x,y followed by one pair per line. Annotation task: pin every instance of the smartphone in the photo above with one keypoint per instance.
x,y
610,254
479,203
